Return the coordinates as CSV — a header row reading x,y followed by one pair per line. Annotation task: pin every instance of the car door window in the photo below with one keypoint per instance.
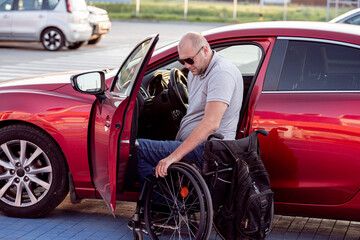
x,y
24,5
51,4
315,66
127,74
6,5
246,57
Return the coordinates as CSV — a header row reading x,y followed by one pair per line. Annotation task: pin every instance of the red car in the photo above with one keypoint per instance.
x,y
302,84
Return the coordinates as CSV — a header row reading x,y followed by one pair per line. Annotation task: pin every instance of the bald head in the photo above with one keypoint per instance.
x,y
194,40
195,52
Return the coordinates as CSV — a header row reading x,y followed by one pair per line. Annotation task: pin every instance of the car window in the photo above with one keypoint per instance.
x,y
320,67
24,5
245,57
51,4
354,20
127,74
5,5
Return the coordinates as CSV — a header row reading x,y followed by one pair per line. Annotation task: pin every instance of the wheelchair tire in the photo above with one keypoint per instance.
x,y
175,206
206,195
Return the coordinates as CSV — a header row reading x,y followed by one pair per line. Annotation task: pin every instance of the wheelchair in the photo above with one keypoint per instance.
x,y
178,206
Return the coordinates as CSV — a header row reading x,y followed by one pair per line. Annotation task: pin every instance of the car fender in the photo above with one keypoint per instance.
x,y
59,24
65,118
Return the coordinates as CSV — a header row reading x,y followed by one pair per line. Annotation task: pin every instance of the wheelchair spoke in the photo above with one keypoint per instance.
x,y
180,183
175,207
172,183
186,223
164,195
172,194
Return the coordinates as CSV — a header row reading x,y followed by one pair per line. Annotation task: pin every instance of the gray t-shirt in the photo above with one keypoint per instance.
x,y
222,82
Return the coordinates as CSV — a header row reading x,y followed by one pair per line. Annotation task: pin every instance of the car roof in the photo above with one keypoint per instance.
x,y
330,31
321,30
345,15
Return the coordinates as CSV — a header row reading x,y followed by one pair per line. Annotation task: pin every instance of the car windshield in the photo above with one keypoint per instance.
x,y
127,74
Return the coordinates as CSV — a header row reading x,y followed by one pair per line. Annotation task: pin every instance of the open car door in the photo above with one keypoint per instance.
x,y
111,121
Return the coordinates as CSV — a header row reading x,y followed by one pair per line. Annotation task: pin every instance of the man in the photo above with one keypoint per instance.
x,y
215,88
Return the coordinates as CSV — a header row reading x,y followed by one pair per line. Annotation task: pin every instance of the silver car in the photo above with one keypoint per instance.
x,y
100,22
350,17
54,23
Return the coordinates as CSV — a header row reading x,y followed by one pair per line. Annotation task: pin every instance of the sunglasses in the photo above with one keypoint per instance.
x,y
189,60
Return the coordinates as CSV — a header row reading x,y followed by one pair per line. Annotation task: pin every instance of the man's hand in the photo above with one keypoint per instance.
x,y
214,112
162,166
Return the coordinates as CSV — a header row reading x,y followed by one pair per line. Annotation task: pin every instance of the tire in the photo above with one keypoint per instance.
x,y
175,207
75,45
52,39
95,40
206,195
33,172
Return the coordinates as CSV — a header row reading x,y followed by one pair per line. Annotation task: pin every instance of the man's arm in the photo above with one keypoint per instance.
x,y
214,111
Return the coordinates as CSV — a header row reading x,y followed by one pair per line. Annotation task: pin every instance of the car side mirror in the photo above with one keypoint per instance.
x,y
89,82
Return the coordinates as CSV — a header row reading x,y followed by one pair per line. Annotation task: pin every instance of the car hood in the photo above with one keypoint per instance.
x,y
55,82
96,10
46,82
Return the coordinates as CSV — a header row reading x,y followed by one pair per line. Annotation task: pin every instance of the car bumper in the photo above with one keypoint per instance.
x,y
79,33
101,28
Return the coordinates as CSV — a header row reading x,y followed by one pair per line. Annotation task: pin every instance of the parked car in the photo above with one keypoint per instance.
x,y
302,85
53,23
350,17
100,22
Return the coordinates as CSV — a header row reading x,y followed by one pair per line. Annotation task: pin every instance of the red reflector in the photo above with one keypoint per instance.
x,y
184,192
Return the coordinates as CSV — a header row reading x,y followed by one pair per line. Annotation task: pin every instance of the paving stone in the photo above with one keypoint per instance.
x,y
310,228
325,229
339,230
353,232
91,220
284,222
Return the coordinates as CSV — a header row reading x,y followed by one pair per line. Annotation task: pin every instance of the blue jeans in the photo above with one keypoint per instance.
x,y
150,152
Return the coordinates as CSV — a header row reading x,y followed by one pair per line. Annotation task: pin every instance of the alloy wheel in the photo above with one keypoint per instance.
x,y
25,173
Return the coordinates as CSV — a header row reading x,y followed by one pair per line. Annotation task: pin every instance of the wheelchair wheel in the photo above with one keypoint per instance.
x,y
175,206
206,195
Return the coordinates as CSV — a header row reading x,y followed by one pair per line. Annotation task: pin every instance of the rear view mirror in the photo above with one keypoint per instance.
x,y
89,82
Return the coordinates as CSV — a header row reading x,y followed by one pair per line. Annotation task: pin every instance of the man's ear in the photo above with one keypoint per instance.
x,y
206,50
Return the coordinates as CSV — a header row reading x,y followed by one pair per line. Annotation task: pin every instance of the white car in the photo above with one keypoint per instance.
x,y
100,22
54,23
350,17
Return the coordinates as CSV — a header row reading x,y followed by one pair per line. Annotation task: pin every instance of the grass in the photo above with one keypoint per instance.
x,y
204,11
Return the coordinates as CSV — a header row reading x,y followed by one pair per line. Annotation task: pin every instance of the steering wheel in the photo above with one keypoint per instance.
x,y
178,93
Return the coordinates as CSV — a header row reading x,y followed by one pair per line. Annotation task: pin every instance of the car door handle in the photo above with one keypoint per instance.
x,y
6,16
41,16
107,123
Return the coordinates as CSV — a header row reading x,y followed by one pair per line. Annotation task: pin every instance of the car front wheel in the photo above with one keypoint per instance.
x,y
33,172
52,39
